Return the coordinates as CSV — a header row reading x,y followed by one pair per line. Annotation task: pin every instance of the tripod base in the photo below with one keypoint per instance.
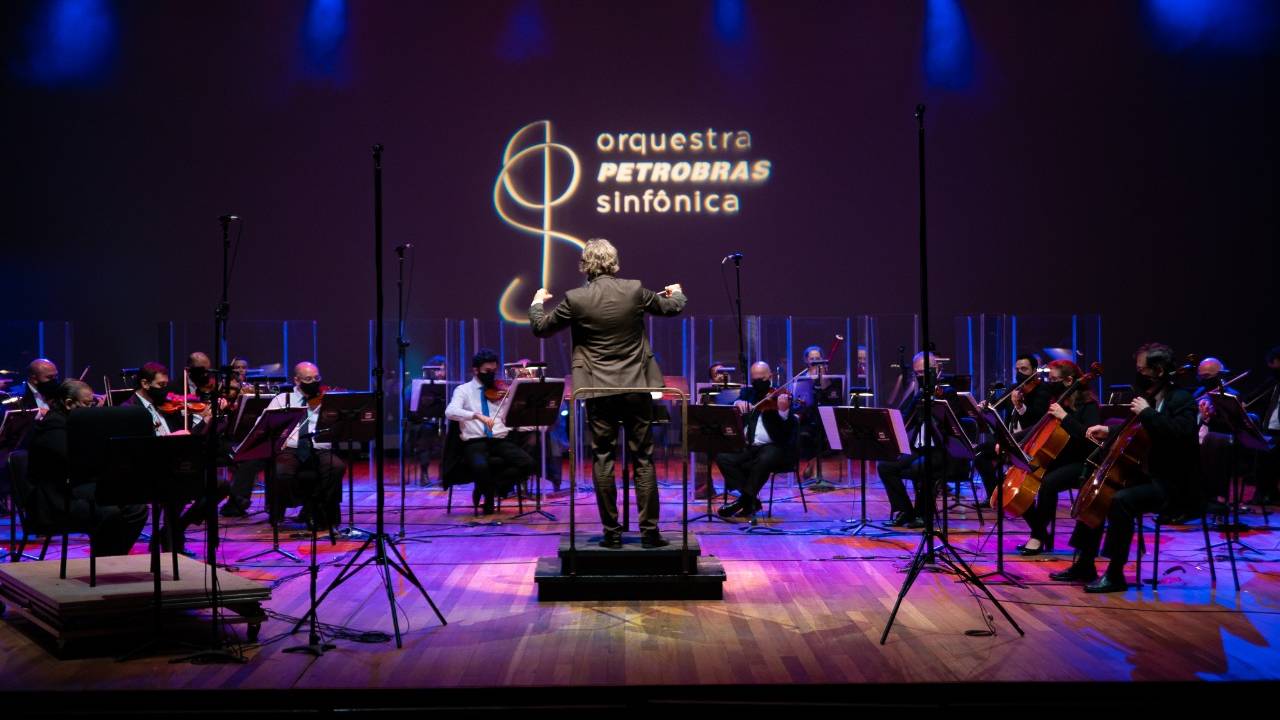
x,y
315,648
855,527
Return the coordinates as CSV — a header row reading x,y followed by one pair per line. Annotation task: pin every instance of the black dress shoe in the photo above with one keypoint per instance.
x,y
732,509
749,507
1030,552
611,540
913,523
653,539
1075,573
899,519
232,510
1106,584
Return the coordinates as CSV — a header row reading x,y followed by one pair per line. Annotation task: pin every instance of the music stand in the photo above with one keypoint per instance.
x,y
864,434
534,403
989,421
347,417
160,471
15,428
264,441
714,429
1244,433
247,414
809,395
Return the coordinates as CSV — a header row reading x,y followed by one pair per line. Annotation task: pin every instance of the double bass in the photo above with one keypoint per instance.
x,y
1119,462
1043,443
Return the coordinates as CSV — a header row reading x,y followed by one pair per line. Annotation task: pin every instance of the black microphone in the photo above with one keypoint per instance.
x,y
735,256
228,218
401,248
920,111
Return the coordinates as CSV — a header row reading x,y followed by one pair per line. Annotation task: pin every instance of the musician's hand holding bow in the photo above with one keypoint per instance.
x,y
488,421
743,406
1138,405
1056,410
1097,433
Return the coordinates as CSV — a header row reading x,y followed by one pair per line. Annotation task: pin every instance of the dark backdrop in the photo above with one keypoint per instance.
x,y
1078,162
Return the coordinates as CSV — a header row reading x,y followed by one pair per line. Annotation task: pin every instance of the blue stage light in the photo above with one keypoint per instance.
x,y
948,48
730,21
525,34
72,42
323,32
1231,25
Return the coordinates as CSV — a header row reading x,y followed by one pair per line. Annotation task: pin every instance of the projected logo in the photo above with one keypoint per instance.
x,y
532,153
698,174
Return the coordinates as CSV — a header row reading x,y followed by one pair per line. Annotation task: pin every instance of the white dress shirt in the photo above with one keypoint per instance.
x,y
468,399
762,435
157,420
295,399
40,403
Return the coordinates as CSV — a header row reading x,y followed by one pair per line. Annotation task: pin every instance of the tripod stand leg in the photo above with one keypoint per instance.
x,y
913,572
384,573
407,573
343,574
966,574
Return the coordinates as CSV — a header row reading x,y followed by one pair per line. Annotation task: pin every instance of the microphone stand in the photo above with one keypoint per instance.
x,y
402,346
216,652
742,346
927,554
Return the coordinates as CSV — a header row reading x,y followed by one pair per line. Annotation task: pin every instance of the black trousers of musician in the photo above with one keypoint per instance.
x,y
747,471
496,465
634,411
909,467
531,443
1039,516
113,528
1216,465
1126,506
319,490
984,461
243,477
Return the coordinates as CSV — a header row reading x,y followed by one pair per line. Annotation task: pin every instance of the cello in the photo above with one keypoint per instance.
x,y
1043,444
1123,460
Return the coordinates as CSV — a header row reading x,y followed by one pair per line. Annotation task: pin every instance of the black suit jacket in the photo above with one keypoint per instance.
x,y
28,397
610,346
1174,460
1037,402
782,431
47,492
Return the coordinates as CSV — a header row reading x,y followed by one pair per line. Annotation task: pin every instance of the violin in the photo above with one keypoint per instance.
x,y
175,403
770,401
497,392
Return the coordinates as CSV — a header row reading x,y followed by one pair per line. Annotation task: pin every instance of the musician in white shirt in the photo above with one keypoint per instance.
x,y
495,462
321,501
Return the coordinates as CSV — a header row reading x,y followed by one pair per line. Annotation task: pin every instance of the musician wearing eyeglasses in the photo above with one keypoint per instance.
x,y
319,490
771,435
1168,415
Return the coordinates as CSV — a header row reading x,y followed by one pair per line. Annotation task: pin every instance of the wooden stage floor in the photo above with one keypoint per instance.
x,y
804,604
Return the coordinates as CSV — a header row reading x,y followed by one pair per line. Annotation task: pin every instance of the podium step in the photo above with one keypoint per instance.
x,y
631,558
705,582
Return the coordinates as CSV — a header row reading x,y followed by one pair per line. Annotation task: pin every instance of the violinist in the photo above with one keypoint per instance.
x,y
151,391
771,432
495,461
42,385
893,472
1214,434
1030,403
1077,411
1168,414
301,451
720,393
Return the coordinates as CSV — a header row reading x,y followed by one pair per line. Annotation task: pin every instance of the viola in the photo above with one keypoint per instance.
x,y
176,403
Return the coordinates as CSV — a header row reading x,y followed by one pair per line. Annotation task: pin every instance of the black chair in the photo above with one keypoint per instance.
x,y
795,472
64,527
1155,559
453,472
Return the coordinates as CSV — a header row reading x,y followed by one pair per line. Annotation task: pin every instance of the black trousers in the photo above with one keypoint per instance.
x,y
634,412
1041,514
315,483
243,477
113,528
496,465
1126,506
748,470
909,467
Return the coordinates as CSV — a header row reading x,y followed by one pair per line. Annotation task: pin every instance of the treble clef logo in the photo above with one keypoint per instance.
x,y
529,144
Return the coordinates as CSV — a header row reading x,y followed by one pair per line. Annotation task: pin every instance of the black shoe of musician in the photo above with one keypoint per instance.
x,y
733,508
232,509
913,523
900,519
749,507
1106,584
611,540
1075,573
653,539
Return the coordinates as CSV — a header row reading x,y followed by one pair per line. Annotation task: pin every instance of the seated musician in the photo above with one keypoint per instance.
x,y
320,498
812,438
771,435
1077,411
1268,478
42,385
893,472
1215,436
113,529
428,432
495,462
703,486
1024,410
204,383
1168,414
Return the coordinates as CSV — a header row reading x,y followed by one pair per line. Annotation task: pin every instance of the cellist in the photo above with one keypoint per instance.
x,y
1077,411
1168,415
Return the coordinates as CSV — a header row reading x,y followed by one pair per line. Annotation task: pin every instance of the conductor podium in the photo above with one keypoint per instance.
x,y
582,570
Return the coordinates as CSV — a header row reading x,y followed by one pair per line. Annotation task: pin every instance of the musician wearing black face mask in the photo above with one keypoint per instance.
x,y
771,436
50,501
1022,410
1214,434
496,463
42,385
893,472
1168,414
302,451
